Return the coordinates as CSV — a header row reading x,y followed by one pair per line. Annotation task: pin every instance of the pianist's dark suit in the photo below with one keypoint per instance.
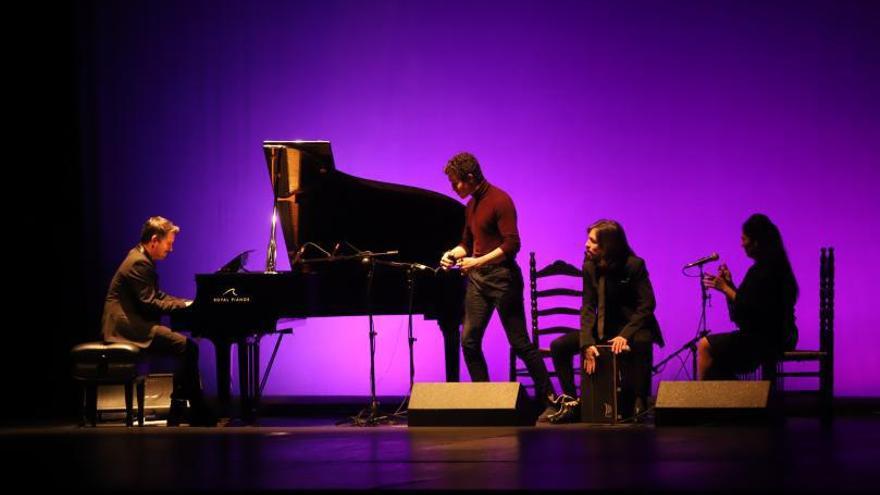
x,y
132,311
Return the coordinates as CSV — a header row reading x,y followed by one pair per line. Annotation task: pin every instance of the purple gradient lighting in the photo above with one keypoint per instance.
x,y
679,119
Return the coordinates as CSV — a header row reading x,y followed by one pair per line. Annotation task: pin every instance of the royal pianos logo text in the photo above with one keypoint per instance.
x,y
230,296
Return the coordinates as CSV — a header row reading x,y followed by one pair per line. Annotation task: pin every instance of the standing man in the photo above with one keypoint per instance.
x,y
133,308
487,255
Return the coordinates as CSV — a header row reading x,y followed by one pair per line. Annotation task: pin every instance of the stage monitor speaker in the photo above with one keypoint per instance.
x,y
157,397
712,402
469,404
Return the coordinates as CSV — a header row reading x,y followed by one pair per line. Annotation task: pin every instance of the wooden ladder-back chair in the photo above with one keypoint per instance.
x,y
560,293
824,356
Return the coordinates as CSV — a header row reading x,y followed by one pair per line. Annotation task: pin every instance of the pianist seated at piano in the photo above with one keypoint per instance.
x,y
132,311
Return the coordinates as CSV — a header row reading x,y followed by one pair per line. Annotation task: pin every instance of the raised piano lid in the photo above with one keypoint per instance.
x,y
319,204
287,160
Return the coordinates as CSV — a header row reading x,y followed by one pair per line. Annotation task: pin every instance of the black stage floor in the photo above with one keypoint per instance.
x,y
311,453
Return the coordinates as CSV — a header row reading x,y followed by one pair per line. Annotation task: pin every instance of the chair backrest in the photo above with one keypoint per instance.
x,y
556,296
560,293
825,354
826,316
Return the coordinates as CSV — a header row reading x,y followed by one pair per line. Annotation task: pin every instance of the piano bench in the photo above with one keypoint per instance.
x,y
109,363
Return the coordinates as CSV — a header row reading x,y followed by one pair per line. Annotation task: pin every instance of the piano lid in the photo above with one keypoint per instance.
x,y
287,160
319,204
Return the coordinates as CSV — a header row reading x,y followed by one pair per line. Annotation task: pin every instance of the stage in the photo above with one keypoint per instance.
x,y
678,119
308,451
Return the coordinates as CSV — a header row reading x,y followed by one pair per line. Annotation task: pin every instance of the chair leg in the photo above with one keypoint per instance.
x,y
128,403
90,415
83,406
826,399
770,372
140,400
826,413
512,365
826,390
778,379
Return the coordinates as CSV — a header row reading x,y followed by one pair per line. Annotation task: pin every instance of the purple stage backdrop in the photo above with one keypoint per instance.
x,y
677,118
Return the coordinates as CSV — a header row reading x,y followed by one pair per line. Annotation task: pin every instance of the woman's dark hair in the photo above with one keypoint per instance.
x,y
769,249
612,240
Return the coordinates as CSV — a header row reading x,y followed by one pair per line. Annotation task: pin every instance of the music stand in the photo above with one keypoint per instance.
x,y
237,263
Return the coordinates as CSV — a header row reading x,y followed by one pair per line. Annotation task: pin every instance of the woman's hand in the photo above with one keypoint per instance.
x,y
721,282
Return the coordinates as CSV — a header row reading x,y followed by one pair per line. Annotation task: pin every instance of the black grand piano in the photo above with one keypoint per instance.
x,y
333,223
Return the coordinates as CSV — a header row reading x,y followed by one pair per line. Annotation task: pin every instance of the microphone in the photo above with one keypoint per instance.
x,y
368,255
299,253
703,260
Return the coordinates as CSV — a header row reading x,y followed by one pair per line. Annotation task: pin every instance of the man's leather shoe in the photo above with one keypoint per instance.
x,y
549,411
177,413
640,410
202,415
568,411
553,403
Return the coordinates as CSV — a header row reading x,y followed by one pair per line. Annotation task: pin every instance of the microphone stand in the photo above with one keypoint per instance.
x,y
690,345
369,416
702,331
410,289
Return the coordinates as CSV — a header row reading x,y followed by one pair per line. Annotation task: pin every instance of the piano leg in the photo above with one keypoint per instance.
x,y
452,348
221,352
249,377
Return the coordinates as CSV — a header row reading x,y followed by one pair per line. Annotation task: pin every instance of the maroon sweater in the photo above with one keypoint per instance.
x,y
490,222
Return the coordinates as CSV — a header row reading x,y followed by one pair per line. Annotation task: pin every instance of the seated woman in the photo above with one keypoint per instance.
x,y
762,307
618,310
